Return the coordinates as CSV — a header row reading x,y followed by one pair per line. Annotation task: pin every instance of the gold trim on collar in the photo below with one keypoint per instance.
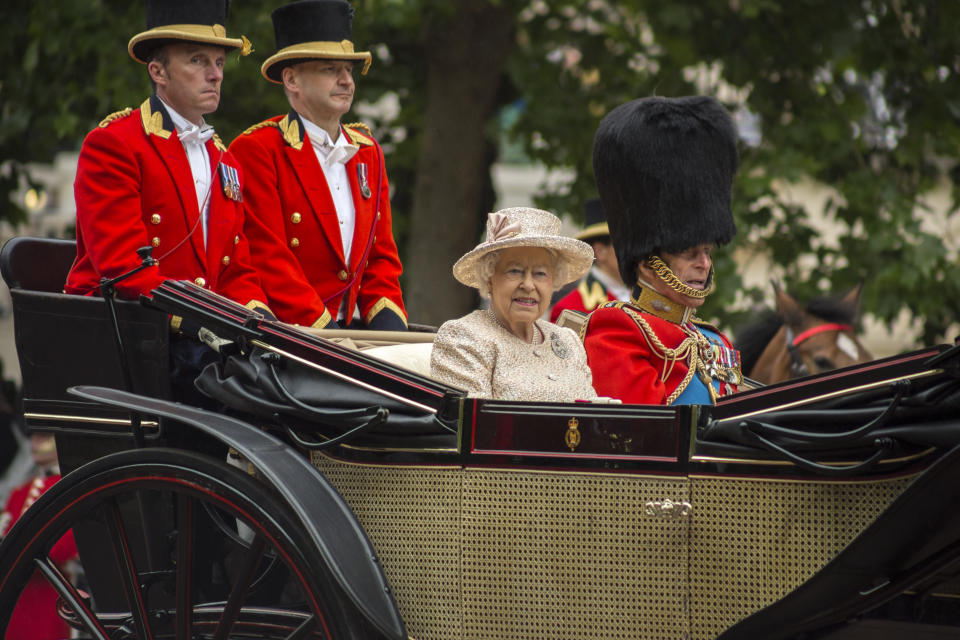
x,y
152,121
658,305
592,296
291,132
218,143
386,303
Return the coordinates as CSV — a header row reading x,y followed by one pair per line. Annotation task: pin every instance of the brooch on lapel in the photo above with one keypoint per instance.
x,y
231,182
559,348
362,178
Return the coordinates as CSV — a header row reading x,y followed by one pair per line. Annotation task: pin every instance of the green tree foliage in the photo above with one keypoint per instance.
x,y
862,97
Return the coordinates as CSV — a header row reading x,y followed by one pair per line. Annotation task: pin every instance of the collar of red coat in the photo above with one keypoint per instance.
x,y
157,121
656,304
293,132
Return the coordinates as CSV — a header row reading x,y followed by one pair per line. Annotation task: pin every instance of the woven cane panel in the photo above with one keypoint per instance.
x,y
568,556
752,542
412,517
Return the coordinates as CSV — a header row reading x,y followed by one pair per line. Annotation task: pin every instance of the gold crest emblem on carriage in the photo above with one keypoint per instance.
x,y
572,436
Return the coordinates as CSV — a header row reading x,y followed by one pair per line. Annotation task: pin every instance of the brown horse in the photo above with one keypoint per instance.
x,y
794,341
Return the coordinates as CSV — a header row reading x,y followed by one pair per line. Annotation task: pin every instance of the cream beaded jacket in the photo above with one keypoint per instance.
x,y
476,354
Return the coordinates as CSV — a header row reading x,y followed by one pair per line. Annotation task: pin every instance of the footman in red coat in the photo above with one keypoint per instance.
x,y
317,198
158,175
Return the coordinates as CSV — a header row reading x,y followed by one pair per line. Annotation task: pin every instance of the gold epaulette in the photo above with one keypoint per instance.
x,y
355,136
218,143
260,125
360,125
116,115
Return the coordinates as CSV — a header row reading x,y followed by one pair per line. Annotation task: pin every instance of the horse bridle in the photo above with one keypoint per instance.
x,y
798,368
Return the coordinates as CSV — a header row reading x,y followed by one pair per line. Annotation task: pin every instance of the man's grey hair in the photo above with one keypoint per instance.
x,y
487,264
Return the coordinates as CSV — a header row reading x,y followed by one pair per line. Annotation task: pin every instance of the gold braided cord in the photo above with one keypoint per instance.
x,y
687,350
672,281
260,125
116,115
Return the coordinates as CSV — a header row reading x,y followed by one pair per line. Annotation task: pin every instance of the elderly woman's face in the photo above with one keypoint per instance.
x,y
521,286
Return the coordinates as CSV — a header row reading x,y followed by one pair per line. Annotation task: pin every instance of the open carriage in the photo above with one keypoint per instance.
x,y
341,496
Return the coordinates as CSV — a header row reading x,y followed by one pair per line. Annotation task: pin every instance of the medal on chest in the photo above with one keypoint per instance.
x,y
230,181
363,180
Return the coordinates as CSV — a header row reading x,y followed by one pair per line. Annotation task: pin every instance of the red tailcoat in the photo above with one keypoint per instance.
x,y
294,231
628,351
589,294
35,615
134,188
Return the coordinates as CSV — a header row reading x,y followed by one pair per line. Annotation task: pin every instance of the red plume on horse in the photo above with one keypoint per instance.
x,y
795,341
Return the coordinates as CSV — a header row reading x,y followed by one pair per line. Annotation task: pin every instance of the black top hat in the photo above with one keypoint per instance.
x,y
664,168
594,221
185,21
311,30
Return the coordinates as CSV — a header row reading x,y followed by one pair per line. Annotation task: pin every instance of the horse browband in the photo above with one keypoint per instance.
x,y
820,328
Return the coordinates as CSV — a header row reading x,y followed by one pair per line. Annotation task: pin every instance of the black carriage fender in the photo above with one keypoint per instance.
x,y
321,511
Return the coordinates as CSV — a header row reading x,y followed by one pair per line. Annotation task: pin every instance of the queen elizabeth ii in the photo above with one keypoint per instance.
x,y
506,351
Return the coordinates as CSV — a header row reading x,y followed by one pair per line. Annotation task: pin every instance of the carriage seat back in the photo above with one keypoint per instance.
x,y
66,340
37,264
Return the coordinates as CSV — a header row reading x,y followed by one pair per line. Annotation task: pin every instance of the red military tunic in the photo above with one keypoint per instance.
x,y
35,615
589,294
134,188
294,231
643,356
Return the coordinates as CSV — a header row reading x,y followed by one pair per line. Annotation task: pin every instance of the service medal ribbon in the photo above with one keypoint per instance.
x,y
230,180
362,178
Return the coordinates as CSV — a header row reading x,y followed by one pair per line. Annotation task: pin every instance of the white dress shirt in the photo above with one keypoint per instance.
x,y
194,140
333,157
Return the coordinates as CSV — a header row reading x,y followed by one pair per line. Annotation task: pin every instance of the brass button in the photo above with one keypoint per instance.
x,y
295,218
236,239
200,282
225,260
155,218
343,275
294,242
155,242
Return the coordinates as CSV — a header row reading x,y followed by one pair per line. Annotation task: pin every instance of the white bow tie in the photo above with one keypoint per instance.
x,y
196,135
341,154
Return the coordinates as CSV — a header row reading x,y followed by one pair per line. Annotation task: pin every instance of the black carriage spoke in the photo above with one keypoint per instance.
x,y
71,596
128,572
242,582
185,539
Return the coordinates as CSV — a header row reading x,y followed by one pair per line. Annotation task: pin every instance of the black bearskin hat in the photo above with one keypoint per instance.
x,y
664,168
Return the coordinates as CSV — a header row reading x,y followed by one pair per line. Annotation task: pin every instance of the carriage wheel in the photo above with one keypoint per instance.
x,y
173,545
